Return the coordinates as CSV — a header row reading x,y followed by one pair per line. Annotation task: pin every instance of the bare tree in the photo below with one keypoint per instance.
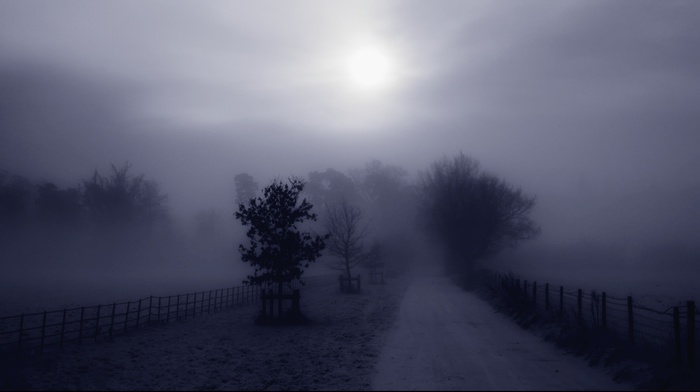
x,y
473,214
343,221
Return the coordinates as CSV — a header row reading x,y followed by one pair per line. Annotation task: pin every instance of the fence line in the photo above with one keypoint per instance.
x,y
33,332
670,331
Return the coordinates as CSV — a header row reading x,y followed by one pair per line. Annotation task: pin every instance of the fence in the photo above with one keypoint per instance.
x,y
671,330
35,331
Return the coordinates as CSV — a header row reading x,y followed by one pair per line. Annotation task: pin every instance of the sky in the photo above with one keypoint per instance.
x,y
593,107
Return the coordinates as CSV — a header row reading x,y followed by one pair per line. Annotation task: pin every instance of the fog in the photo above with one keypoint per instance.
x,y
590,107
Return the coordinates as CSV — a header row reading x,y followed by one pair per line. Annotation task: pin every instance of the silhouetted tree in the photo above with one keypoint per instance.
x,y
15,196
122,198
278,250
246,187
473,214
58,206
343,221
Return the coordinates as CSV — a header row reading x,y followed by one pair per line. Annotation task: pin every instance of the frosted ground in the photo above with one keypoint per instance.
x,y
412,333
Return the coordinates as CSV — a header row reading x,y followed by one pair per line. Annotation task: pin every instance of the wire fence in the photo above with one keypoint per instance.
x,y
34,332
670,331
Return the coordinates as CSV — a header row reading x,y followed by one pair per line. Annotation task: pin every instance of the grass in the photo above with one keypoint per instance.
x,y
643,367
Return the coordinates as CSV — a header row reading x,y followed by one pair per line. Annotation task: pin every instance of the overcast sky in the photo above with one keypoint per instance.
x,y
592,106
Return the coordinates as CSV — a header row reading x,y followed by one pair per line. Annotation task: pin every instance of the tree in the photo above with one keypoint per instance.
x,y
473,214
122,198
15,196
246,187
278,249
58,206
343,222
330,186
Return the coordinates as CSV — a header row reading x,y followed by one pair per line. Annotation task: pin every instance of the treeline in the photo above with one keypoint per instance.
x,y
116,199
384,193
120,218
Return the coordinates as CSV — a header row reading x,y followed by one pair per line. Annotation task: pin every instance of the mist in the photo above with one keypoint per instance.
x,y
589,107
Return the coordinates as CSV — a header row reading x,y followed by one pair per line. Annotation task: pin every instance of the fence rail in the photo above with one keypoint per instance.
x,y
670,331
33,332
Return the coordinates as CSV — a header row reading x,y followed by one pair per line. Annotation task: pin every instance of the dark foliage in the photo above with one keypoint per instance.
x,y
473,214
278,250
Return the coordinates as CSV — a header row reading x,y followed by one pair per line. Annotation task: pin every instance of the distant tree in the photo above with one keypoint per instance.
x,y
379,183
474,214
330,187
208,225
374,258
347,233
278,250
15,197
58,206
246,187
122,198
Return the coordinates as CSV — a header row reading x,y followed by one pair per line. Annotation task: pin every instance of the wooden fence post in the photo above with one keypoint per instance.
x,y
43,332
126,316
111,322
201,306
677,335
138,315
177,308
579,299
21,332
691,334
82,318
63,326
534,293
150,306
159,305
209,303
561,301
604,310
630,319
295,301
97,322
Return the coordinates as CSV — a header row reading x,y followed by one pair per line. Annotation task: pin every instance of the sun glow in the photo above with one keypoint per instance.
x,y
369,68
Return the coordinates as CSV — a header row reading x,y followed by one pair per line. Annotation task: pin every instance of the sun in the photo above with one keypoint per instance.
x,y
369,68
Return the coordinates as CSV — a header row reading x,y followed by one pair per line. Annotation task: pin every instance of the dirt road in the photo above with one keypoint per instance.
x,y
447,339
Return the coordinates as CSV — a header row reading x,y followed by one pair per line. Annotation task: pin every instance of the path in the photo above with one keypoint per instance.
x,y
448,339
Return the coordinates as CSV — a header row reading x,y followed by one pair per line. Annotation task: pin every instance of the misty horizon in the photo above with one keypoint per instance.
x,y
588,107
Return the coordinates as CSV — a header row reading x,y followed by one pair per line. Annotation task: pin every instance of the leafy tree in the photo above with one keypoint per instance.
x,y
278,250
246,187
473,214
343,222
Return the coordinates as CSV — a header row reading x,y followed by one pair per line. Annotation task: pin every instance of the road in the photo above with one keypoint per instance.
x,y
447,339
